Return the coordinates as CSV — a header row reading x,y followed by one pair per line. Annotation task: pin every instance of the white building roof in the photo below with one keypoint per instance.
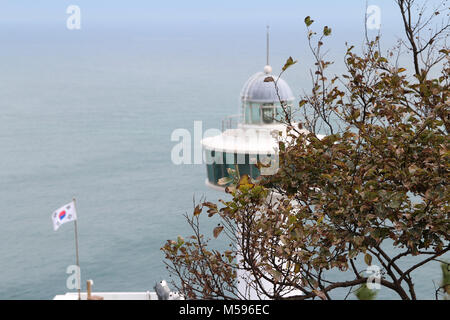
x,y
249,139
256,90
246,139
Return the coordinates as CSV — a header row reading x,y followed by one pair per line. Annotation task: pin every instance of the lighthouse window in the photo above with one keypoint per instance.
x,y
255,114
248,118
268,114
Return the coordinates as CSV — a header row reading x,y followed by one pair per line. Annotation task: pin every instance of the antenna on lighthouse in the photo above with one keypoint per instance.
x,y
267,45
267,68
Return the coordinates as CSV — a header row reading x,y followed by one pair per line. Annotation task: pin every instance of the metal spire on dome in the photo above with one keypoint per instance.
x,y
267,68
267,45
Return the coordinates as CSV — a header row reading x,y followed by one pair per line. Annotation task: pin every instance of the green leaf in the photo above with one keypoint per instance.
x,y
395,204
364,293
326,31
289,63
308,21
368,259
245,182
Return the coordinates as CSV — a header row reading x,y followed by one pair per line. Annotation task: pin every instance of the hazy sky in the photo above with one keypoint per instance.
x,y
194,11
210,27
235,18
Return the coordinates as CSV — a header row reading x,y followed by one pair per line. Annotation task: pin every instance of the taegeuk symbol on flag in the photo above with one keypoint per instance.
x,y
64,214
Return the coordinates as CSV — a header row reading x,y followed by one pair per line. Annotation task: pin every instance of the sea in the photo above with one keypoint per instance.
x,y
89,114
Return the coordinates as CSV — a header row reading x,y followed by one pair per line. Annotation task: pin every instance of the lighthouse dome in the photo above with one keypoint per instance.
x,y
260,91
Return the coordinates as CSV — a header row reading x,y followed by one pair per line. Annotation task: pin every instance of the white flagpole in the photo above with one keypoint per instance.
x,y
76,251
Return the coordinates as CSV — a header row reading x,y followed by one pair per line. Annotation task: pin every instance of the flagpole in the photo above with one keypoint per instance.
x,y
76,251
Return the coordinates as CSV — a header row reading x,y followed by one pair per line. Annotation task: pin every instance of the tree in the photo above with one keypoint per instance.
x,y
378,178
444,288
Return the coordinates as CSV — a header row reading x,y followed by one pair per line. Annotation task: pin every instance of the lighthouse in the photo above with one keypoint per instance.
x,y
250,137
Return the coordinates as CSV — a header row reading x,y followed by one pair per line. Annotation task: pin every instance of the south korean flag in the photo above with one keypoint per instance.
x,y
64,214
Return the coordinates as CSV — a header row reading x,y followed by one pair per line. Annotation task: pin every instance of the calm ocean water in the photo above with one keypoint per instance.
x,y
89,115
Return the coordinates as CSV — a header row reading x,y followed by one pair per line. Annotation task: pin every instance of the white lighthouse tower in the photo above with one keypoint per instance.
x,y
250,136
